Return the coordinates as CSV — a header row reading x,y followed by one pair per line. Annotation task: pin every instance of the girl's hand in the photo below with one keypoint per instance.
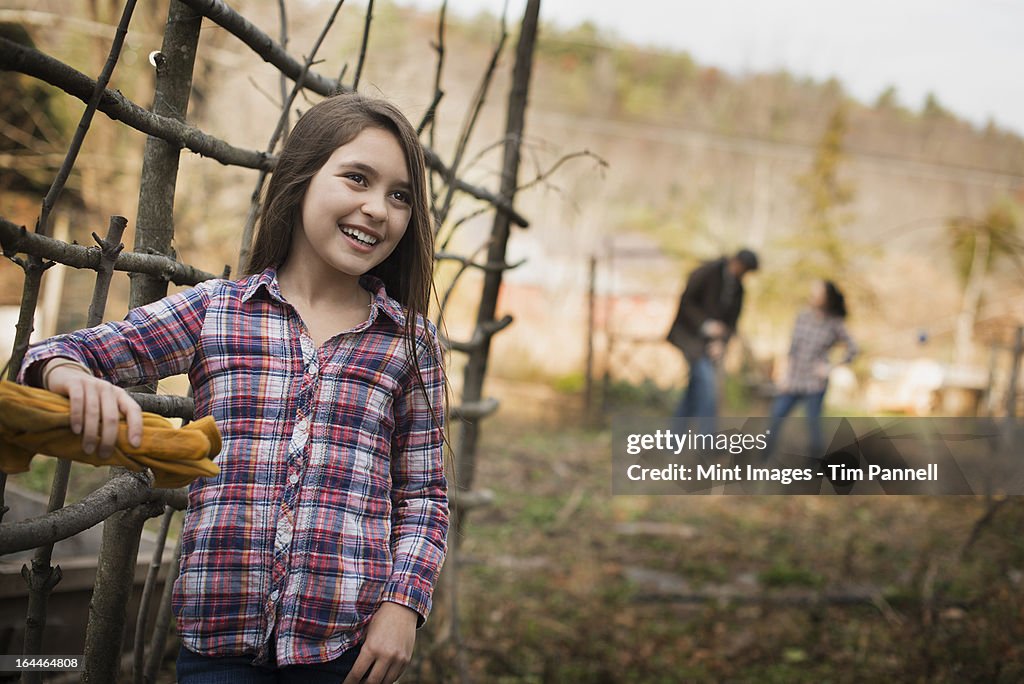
x,y
388,646
96,407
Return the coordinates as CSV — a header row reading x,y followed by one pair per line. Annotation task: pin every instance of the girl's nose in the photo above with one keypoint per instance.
x,y
375,207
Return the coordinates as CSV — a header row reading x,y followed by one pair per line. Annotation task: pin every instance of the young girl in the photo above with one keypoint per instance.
x,y
818,328
314,553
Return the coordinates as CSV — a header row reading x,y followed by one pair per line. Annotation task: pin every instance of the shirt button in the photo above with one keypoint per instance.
x,y
274,595
293,478
302,426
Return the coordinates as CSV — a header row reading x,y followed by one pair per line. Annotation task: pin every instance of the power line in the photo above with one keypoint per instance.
x,y
743,144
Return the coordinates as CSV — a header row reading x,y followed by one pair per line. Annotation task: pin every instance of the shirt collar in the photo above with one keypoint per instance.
x,y
267,279
381,301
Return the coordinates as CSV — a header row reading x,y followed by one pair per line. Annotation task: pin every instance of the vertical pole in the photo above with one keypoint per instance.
x,y
476,367
609,332
993,360
588,385
43,577
154,223
154,231
1011,387
162,624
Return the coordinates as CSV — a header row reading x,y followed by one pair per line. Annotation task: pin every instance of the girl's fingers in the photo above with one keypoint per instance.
x,y
376,673
110,416
96,407
77,412
393,673
90,417
132,416
364,661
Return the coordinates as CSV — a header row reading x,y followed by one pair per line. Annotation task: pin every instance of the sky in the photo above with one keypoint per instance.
x,y
969,53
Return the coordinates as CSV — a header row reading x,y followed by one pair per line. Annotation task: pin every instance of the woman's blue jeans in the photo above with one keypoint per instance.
x,y
784,403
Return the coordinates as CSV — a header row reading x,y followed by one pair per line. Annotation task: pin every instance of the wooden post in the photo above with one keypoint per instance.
x,y
42,577
993,361
1011,387
588,379
609,333
476,367
154,231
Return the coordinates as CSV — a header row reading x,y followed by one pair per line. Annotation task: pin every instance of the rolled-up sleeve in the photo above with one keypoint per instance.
x,y
419,488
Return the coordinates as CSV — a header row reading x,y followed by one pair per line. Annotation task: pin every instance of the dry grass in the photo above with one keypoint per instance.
x,y
561,582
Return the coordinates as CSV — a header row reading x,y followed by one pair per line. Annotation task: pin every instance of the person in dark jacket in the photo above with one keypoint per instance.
x,y
708,311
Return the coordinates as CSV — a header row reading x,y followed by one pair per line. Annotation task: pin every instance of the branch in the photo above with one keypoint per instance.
x,y
167,405
544,175
16,239
481,335
470,499
15,57
503,205
428,116
283,80
279,130
147,596
472,411
362,47
470,123
83,124
264,46
980,524
118,494
110,247
466,263
469,263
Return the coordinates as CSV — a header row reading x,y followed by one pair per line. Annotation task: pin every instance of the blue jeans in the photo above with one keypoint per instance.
x,y
784,403
701,398
199,669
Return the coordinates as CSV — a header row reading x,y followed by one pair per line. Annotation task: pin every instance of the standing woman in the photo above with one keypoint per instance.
x,y
818,328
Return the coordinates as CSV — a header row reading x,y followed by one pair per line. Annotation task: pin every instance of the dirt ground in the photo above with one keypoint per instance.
x,y
558,581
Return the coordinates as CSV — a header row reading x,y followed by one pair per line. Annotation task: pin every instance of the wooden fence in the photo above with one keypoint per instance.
x,y
127,500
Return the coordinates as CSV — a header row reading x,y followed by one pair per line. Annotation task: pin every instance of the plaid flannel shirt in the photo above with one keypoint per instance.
x,y
814,335
331,496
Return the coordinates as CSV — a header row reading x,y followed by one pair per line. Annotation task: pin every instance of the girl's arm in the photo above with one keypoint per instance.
x,y
154,341
843,337
419,488
419,521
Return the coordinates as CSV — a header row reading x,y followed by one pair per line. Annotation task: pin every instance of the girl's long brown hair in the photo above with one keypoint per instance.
x,y
408,271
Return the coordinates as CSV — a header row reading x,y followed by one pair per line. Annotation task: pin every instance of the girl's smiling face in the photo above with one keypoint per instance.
x,y
357,206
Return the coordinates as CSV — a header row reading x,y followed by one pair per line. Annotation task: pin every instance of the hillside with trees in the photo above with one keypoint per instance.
x,y
698,160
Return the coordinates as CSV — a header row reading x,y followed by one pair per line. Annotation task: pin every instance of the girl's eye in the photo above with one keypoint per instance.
x,y
356,177
402,196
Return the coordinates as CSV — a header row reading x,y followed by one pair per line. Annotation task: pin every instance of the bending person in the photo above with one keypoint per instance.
x,y
708,311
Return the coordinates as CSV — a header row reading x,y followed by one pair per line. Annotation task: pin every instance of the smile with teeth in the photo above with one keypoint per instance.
x,y
359,235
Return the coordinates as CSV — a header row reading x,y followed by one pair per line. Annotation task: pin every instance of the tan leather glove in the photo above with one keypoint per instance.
x,y
36,421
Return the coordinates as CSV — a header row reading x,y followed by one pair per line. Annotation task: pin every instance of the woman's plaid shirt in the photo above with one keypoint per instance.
x,y
814,334
331,496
